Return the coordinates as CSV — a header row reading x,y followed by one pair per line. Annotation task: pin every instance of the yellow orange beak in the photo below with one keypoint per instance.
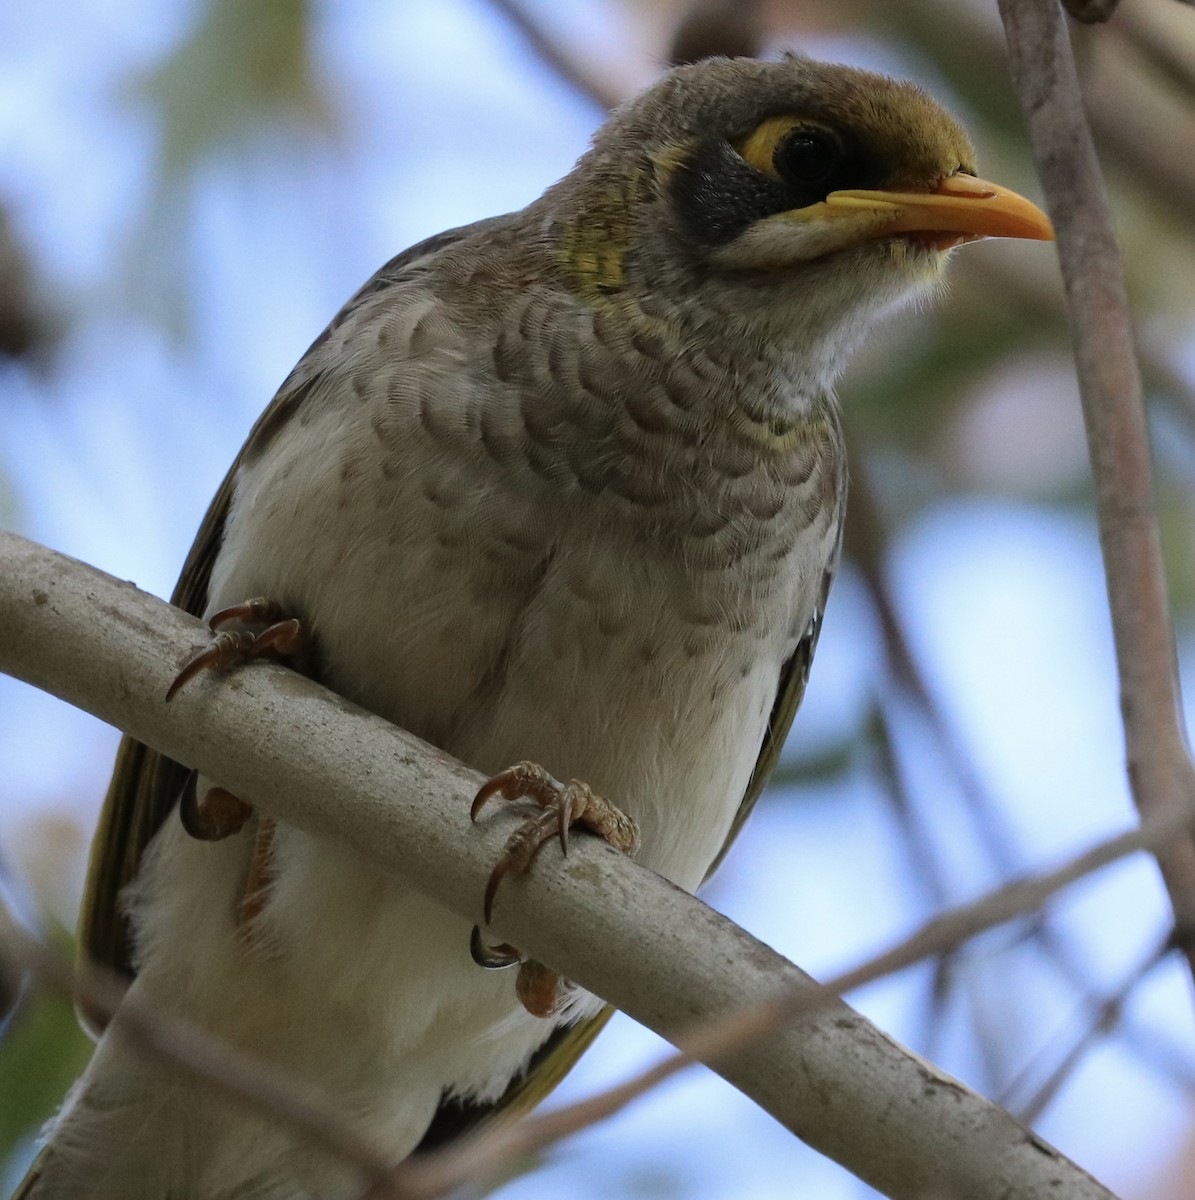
x,y
961,209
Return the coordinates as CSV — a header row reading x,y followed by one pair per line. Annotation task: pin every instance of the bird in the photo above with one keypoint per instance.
x,y
562,493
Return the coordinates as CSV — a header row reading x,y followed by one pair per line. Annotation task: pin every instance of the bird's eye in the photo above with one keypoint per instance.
x,y
807,157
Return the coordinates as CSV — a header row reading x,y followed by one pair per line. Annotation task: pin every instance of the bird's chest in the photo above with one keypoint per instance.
x,y
621,617
652,683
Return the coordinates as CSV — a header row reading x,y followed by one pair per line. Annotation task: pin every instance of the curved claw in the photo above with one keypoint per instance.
x,y
562,805
485,794
285,639
224,647
492,958
524,779
215,815
491,888
566,807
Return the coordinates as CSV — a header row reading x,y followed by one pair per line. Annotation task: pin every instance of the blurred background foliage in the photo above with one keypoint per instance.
x,y
190,188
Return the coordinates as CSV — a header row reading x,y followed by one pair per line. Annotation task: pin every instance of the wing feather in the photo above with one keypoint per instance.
x,y
145,785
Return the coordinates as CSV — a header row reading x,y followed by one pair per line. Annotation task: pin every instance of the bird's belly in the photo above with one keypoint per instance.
x,y
661,716
605,666
370,989
500,633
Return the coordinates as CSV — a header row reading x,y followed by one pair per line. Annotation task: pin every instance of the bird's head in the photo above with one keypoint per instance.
x,y
803,198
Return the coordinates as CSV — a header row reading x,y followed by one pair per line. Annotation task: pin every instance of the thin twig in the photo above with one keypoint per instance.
x,y
1106,1015
926,865
1090,12
568,67
1160,770
481,1154
732,28
867,538
1170,58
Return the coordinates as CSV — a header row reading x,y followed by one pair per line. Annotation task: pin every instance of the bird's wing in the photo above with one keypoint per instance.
x,y
794,676
145,785
548,1066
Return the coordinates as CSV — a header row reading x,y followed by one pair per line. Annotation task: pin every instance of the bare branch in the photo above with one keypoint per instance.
x,y
553,55
708,28
1156,43
312,759
1160,770
1105,1015
714,1041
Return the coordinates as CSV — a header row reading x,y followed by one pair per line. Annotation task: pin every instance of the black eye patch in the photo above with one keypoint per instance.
x,y
717,194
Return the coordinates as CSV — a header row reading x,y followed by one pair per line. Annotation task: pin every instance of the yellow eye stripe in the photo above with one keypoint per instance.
x,y
759,148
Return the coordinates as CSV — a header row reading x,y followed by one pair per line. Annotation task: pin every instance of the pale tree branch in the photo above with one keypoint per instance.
x,y
574,70
310,758
1160,771
712,1041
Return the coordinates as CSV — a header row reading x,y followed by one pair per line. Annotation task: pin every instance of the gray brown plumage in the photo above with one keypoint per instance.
x,y
565,485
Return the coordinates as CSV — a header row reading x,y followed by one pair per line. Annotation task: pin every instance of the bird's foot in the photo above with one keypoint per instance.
x,y
261,629
540,990
264,632
564,805
215,815
218,814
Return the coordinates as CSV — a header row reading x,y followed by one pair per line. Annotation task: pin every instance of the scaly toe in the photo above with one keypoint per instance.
x,y
540,989
276,636
258,611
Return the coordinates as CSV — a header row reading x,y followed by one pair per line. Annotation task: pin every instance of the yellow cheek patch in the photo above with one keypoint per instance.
x,y
594,244
759,149
592,249
668,159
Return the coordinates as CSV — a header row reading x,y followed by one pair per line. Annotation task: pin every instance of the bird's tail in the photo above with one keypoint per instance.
x,y
136,1128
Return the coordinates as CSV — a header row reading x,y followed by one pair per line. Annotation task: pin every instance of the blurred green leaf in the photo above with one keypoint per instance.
x,y
42,1051
244,64
825,765
905,400
244,83
1174,506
